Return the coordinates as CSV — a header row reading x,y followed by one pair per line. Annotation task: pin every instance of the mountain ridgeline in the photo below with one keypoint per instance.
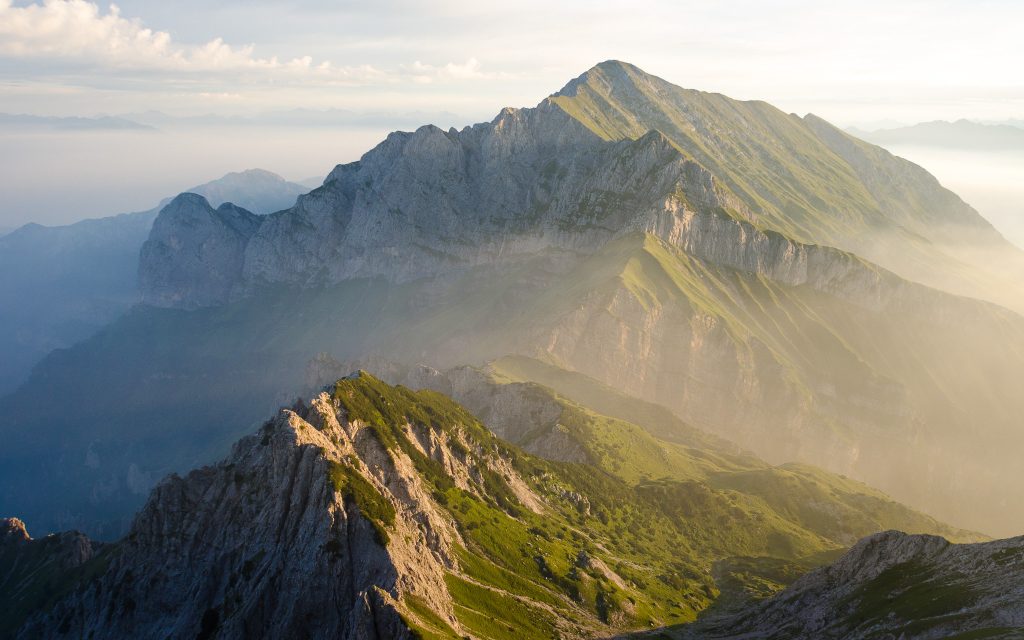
x,y
642,356
692,250
374,511
688,263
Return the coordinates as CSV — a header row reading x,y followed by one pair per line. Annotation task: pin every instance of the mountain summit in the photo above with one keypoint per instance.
x,y
759,274
614,151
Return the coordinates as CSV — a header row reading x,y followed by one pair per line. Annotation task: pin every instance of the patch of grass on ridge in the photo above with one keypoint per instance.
x,y
372,505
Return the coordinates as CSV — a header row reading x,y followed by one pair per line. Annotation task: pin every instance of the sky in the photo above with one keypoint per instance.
x,y
450,62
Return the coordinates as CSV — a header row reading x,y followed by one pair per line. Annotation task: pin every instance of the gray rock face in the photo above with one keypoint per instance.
x,y
436,204
62,284
288,537
262,545
894,585
558,179
194,252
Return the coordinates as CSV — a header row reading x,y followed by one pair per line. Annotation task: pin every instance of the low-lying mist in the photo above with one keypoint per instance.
x,y
990,181
57,177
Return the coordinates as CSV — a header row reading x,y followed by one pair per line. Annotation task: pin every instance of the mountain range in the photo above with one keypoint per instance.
x,y
375,511
962,134
64,283
639,355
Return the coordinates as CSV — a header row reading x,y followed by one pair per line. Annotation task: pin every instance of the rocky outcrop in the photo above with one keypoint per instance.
x,y
194,253
313,528
894,585
35,572
62,284
259,544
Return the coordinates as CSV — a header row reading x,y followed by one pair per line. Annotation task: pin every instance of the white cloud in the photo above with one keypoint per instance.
x,y
469,70
77,32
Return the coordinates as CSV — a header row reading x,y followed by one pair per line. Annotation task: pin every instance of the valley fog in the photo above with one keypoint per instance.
x,y
54,177
992,181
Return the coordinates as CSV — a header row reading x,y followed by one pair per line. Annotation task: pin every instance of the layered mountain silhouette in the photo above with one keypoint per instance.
x,y
671,342
64,283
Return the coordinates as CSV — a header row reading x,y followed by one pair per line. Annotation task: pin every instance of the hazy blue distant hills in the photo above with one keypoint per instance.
x,y
63,283
317,118
962,134
102,123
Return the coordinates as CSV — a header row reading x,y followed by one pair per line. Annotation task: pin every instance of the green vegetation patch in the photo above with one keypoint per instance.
x,y
493,615
427,625
372,505
912,592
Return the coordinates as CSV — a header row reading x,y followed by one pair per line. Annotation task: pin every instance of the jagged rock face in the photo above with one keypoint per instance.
x,y
194,252
312,528
894,585
433,203
262,544
613,153
64,283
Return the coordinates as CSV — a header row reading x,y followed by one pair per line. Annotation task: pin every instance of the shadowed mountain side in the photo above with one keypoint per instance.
x,y
61,284
791,372
375,511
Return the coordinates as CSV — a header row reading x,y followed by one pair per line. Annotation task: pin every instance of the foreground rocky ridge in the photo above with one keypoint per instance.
x,y
378,512
36,574
894,585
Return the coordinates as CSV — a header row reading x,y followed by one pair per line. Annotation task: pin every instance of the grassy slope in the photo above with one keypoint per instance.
x,y
777,163
644,515
834,506
913,353
808,180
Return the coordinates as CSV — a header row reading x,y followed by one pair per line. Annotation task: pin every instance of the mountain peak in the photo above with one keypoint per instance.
x,y
612,75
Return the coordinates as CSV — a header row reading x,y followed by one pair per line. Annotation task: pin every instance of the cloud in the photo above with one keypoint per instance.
x,y
77,33
469,70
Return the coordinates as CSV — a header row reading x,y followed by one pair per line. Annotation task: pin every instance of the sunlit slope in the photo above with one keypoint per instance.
x,y
643,443
807,179
373,492
893,392
889,390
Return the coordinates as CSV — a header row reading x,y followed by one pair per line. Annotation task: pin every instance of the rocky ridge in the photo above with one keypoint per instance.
x,y
435,203
373,511
894,585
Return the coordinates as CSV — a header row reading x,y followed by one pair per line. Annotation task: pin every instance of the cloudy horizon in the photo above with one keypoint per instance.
x,y
454,63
